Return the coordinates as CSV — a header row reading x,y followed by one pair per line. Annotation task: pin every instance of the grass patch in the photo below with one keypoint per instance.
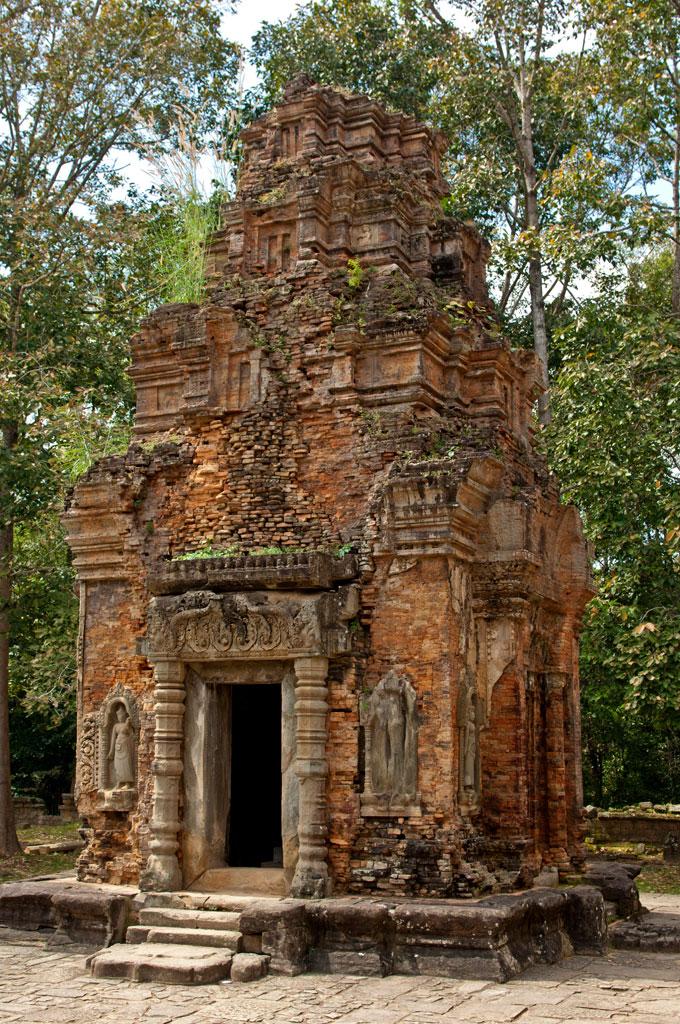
x,y
660,877
656,874
33,834
28,865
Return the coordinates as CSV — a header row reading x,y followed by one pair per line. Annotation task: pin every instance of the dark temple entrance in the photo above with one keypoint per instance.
x,y
254,830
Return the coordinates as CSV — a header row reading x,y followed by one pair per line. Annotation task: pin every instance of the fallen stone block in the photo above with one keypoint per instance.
x,y
651,932
616,882
248,967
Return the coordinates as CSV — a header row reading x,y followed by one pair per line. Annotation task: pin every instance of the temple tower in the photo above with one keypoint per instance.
x,y
330,600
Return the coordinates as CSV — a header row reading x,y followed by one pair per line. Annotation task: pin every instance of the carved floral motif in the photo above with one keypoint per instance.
x,y
203,624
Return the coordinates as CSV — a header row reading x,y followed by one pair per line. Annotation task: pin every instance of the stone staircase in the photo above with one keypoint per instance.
x,y
183,945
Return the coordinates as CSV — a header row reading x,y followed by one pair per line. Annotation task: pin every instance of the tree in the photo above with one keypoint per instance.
x,y
80,81
615,444
363,45
638,49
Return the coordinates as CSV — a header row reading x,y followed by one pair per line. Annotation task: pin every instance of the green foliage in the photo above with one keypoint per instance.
x,y
79,83
366,46
355,273
208,552
615,444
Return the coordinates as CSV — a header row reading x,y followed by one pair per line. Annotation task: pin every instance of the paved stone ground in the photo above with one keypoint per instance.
x,y
50,986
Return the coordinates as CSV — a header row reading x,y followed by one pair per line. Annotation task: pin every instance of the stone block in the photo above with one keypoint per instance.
x,y
91,918
347,961
166,964
464,964
617,884
73,913
248,967
586,919
653,932
27,906
285,933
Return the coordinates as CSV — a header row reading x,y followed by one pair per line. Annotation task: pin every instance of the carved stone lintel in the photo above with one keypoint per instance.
x,y
202,625
162,873
391,725
311,768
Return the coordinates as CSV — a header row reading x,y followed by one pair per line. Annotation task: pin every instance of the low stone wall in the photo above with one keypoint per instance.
x,y
623,827
31,810
66,912
28,810
496,938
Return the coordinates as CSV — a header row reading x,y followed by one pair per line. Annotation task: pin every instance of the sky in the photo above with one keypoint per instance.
x,y
241,26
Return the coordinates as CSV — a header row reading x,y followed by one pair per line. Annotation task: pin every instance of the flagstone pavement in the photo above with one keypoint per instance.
x,y
40,985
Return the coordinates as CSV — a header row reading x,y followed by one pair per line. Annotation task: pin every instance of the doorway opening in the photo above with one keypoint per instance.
x,y
254,829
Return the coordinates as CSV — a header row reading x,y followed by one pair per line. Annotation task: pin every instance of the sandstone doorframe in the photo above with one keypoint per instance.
x,y
199,625
163,872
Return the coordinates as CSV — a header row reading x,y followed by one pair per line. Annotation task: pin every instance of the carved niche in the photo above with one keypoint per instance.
x,y
201,625
107,759
390,722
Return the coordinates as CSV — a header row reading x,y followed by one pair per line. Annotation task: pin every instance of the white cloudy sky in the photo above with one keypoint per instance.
x,y
242,25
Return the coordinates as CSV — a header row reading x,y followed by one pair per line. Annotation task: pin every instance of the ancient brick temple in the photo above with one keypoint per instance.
x,y
329,597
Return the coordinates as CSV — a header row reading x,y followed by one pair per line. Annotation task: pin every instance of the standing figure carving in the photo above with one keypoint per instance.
x,y
391,729
469,742
112,738
468,730
121,750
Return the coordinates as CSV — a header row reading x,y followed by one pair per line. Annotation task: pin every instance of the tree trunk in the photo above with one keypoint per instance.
x,y
525,146
9,844
540,332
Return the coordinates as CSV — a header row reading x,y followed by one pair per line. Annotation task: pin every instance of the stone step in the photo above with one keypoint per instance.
x,y
218,938
242,881
221,901
167,963
213,919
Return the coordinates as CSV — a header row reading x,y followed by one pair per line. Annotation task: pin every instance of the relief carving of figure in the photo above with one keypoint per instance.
x,y
122,751
469,742
113,750
391,746
468,733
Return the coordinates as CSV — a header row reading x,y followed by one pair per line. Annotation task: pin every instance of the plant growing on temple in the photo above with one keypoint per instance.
x,y
80,83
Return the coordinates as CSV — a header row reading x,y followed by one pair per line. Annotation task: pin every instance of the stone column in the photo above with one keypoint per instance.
x,y
311,768
163,873
556,781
